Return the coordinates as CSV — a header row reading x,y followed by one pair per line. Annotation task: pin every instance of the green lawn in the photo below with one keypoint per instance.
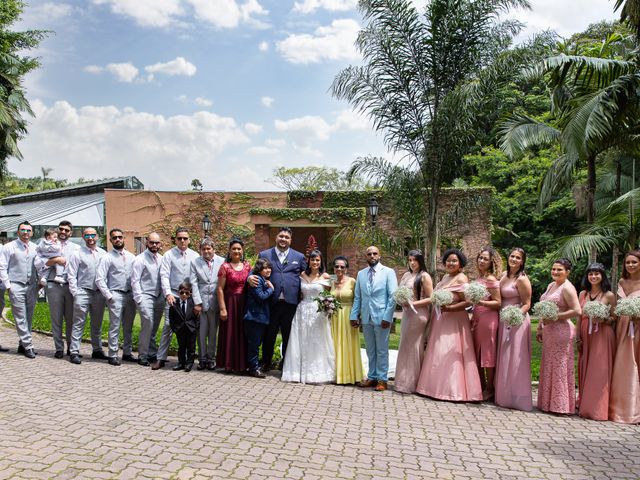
x,y
41,322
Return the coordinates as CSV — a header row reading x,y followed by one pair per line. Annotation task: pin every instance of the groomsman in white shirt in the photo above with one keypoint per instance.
x,y
113,279
81,273
147,293
59,297
175,269
18,274
204,281
2,292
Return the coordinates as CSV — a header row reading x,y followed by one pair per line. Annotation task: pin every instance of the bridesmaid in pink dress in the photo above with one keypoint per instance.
x,y
596,347
513,365
557,389
449,370
624,404
485,320
414,325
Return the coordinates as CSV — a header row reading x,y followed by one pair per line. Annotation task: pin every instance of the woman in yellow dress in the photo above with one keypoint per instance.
x,y
346,339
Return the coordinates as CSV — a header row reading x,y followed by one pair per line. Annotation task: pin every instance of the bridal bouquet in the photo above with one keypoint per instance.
x,y
441,297
475,292
403,296
596,310
512,316
629,307
546,310
327,303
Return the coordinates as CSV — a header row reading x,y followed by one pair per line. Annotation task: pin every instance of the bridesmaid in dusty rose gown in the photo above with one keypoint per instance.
x,y
513,364
557,388
624,403
596,347
449,370
414,325
485,319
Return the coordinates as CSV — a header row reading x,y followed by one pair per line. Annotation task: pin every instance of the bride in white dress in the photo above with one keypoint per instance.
x,y
310,354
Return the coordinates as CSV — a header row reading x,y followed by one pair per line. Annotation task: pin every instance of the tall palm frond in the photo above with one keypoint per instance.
x,y
520,133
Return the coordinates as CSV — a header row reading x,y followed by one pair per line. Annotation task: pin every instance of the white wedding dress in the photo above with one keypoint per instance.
x,y
310,355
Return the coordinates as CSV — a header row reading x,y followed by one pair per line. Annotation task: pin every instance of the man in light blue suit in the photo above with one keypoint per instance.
x,y
373,308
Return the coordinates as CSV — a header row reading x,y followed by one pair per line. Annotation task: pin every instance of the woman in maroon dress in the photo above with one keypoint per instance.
x,y
232,276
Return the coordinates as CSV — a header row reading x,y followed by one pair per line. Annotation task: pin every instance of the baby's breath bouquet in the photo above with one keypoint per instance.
x,y
629,307
441,297
403,296
545,310
474,292
596,312
512,316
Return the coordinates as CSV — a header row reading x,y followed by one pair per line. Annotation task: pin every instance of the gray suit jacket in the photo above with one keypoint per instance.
x,y
204,281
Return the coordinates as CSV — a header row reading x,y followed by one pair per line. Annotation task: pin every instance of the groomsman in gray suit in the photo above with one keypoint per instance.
x,y
81,273
175,269
113,279
59,297
18,274
204,281
147,294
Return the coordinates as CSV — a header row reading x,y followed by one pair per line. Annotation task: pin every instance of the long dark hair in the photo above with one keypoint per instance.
x,y
522,270
315,253
233,241
605,285
422,267
633,253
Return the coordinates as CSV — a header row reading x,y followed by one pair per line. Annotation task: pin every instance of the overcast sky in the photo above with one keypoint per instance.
x,y
220,90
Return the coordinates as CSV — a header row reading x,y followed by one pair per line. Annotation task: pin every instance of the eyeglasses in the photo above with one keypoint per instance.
x,y
90,235
151,242
64,229
182,238
339,267
117,237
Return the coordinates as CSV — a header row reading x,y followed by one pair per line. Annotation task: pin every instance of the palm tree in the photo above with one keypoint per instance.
x,y
409,82
629,13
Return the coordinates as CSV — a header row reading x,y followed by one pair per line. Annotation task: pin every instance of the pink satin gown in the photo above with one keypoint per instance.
x,y
557,389
624,402
449,370
413,334
513,362
485,323
595,367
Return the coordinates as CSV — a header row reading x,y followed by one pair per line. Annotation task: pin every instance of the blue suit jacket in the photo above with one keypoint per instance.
x,y
375,303
258,302
286,278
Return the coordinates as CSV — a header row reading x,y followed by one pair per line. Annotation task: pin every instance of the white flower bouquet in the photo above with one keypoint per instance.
x,y
629,307
441,297
327,303
512,316
545,310
403,296
475,292
596,310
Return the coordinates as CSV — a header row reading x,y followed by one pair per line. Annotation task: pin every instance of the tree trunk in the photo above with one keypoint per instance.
x,y
615,256
431,232
591,198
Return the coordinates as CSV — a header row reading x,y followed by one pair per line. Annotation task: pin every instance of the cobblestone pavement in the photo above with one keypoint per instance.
x,y
59,420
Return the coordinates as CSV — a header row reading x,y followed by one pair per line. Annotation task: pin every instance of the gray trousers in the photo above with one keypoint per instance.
x,y
2,291
122,311
150,309
23,302
91,302
207,335
167,333
60,307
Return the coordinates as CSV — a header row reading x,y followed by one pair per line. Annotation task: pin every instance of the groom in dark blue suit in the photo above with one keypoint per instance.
x,y
288,264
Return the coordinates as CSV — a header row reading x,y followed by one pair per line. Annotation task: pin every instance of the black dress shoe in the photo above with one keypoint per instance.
x,y
58,354
201,365
99,355
211,365
143,363
152,359
29,353
20,348
188,367
3,349
157,365
265,368
178,367
69,354
129,358
114,361
257,373
75,358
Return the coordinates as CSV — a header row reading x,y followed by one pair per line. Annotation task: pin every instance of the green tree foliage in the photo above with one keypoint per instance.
x,y
315,179
13,66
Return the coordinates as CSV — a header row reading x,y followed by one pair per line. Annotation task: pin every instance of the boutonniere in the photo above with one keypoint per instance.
x,y
285,262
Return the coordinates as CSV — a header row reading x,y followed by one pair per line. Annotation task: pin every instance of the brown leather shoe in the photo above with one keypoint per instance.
x,y
368,383
157,365
381,386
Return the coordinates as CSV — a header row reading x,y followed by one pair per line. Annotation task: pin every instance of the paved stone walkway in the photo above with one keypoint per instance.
x,y
91,421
